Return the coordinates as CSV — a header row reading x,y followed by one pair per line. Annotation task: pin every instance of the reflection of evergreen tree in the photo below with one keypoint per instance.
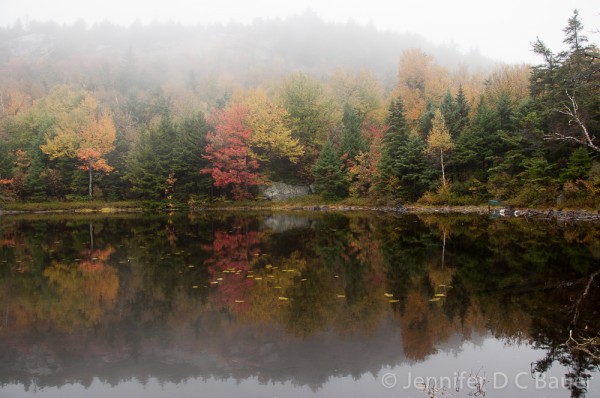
x,y
405,246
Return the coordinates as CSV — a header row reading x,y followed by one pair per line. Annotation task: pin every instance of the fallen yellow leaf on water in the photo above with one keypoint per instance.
x,y
219,279
239,301
214,282
277,287
394,301
258,278
341,296
435,299
283,298
195,287
440,295
388,294
250,276
268,266
303,279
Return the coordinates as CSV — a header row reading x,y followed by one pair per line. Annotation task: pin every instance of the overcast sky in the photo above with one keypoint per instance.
x,y
502,30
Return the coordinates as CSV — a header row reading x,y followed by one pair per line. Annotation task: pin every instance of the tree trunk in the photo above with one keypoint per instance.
x,y
90,192
442,162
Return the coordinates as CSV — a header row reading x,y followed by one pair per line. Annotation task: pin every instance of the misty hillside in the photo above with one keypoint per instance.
x,y
238,54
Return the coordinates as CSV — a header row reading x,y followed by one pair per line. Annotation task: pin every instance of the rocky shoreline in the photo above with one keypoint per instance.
x,y
507,211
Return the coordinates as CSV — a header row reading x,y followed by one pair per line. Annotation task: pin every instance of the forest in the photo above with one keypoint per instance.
x,y
179,114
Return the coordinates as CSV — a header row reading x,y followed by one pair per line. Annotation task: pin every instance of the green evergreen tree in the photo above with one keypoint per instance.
x,y
579,165
450,112
331,180
403,164
504,110
151,160
426,119
394,138
187,159
461,120
477,146
351,140
565,88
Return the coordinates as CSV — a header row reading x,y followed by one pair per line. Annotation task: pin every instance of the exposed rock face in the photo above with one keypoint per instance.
x,y
281,191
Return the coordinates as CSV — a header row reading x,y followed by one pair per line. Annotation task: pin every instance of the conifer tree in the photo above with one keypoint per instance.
x,y
402,168
331,180
151,160
351,141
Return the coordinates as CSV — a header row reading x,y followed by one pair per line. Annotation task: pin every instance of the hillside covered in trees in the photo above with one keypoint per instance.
x,y
171,112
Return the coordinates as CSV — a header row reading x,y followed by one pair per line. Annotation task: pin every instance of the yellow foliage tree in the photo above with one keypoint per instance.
x,y
80,133
271,137
439,139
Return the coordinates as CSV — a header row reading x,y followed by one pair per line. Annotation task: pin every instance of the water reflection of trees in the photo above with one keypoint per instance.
x,y
226,296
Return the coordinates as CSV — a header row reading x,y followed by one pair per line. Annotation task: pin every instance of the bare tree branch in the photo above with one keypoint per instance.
x,y
572,111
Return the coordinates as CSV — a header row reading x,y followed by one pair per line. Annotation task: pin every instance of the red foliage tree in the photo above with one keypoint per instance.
x,y
229,153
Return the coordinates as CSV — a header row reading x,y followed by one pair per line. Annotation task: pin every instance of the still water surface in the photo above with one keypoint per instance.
x,y
296,305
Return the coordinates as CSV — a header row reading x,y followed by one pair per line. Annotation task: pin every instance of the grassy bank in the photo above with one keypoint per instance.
x,y
82,206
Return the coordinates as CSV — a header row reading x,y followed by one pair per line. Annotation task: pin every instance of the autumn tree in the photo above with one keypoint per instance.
x,y
420,79
81,132
310,115
229,154
439,140
271,140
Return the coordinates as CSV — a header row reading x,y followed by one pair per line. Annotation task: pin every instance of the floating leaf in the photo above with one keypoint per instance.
x,y
258,278
195,287
268,266
394,301
341,296
239,301
435,299
219,279
283,298
388,294
303,279
439,295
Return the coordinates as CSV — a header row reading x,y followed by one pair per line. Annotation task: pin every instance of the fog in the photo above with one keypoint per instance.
x,y
501,31
244,55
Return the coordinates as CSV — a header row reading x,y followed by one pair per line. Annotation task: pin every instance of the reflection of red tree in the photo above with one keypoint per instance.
x,y
95,259
232,256
8,242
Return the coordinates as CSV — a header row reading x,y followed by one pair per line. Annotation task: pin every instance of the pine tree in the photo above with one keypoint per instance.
x,y
331,181
187,159
426,119
403,163
394,138
579,165
351,141
462,111
504,111
151,160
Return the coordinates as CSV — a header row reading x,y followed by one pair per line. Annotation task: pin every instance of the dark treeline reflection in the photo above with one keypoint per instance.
x,y
284,297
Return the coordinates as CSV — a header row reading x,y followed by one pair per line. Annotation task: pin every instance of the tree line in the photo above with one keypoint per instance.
x,y
520,134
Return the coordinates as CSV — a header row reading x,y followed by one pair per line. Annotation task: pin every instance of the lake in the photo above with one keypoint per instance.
x,y
297,304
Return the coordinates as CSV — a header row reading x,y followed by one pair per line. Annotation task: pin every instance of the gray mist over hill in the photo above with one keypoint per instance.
x,y
241,55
